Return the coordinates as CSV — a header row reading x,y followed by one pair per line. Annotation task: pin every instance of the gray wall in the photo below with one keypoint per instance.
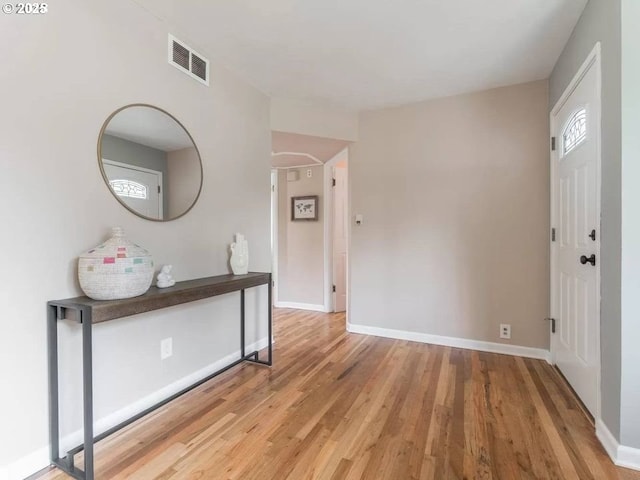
x,y
601,21
455,198
183,182
630,388
124,151
60,207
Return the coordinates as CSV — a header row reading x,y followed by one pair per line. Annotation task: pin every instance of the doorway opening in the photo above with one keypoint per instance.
x,y
310,246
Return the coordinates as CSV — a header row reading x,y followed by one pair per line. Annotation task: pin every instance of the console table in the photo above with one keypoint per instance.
x,y
89,312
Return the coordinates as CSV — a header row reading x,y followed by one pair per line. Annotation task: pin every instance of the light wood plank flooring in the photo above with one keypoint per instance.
x,y
344,406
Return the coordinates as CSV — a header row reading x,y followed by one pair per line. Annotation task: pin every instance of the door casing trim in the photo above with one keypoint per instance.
x,y
328,232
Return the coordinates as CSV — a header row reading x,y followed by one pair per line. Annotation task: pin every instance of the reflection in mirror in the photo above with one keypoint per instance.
x,y
150,162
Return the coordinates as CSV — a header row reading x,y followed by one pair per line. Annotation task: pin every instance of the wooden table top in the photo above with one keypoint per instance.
x,y
157,298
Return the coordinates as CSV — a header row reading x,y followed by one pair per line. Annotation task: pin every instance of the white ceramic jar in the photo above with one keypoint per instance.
x,y
116,269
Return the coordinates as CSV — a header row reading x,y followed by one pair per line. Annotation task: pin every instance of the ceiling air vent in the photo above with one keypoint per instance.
x,y
185,59
199,67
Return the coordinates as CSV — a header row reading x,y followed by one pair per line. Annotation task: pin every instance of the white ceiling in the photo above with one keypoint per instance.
x,y
292,149
150,127
364,54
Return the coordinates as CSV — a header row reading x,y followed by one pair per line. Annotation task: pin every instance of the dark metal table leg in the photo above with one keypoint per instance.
x,y
54,414
242,353
54,314
87,391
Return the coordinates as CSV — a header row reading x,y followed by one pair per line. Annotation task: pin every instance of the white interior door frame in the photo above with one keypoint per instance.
x,y
593,61
274,233
328,231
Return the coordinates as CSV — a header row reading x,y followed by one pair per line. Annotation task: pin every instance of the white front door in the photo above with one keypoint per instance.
x,y
137,187
575,124
340,239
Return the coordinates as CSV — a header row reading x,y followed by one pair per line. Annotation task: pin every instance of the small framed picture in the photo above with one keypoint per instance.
x,y
304,208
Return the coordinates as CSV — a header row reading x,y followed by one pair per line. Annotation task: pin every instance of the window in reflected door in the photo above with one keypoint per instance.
x,y
575,132
127,188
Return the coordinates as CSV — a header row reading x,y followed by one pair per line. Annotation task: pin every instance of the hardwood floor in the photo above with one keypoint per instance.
x,y
344,406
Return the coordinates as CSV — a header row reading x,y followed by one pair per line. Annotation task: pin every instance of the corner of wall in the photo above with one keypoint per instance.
x,y
621,455
296,116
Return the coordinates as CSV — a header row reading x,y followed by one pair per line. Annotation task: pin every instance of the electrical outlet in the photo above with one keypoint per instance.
x,y
166,348
309,173
505,330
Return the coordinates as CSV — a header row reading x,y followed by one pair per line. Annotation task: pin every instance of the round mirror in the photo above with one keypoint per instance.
x,y
150,162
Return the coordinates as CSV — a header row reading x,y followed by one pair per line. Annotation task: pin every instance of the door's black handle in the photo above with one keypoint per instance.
x,y
592,259
592,235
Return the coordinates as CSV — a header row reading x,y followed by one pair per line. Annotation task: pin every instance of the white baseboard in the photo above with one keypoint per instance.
x,y
607,439
27,465
628,457
39,459
621,455
302,306
465,343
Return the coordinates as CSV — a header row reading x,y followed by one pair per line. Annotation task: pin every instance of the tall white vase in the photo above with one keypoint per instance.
x,y
239,256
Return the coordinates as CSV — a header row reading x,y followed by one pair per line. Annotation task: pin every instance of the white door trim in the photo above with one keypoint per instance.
x,y
328,232
132,167
275,226
593,61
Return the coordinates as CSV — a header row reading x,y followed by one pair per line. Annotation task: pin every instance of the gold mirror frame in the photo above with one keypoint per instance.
x,y
106,179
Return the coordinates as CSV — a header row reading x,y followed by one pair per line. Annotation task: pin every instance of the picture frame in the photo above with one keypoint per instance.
x,y
304,208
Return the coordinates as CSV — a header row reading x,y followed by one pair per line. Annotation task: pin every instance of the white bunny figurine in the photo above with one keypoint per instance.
x,y
164,277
